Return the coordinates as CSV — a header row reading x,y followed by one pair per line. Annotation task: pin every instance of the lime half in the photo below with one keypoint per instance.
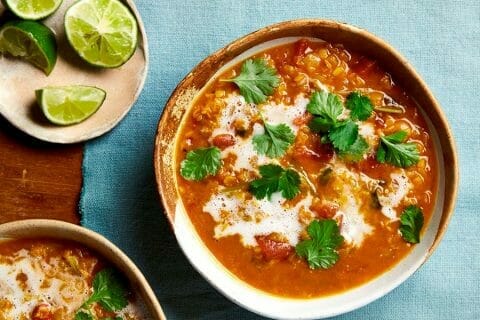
x,y
32,9
69,104
31,41
103,32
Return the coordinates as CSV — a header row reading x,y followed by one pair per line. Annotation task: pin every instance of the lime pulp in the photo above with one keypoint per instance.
x,y
68,105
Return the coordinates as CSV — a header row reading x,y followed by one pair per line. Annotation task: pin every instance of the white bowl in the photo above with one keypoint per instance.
x,y
200,256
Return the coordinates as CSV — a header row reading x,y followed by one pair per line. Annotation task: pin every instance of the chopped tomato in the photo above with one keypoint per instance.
x,y
325,151
364,65
42,311
299,49
325,210
272,249
223,140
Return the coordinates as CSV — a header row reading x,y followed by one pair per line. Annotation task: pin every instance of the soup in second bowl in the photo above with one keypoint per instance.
x,y
48,279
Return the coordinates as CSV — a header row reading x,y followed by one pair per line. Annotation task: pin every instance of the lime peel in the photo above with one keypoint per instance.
x,y
31,41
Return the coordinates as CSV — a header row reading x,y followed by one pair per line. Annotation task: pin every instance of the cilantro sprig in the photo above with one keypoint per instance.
x,y
256,81
360,106
275,141
200,163
108,291
394,151
275,179
320,250
342,134
326,107
411,223
356,150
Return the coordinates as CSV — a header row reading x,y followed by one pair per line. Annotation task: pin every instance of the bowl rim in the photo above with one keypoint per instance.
x,y
56,229
250,40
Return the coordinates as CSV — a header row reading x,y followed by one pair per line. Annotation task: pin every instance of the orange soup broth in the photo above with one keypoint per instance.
x,y
45,249
87,264
300,65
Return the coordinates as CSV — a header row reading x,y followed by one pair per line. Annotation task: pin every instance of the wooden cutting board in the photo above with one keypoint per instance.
x,y
37,179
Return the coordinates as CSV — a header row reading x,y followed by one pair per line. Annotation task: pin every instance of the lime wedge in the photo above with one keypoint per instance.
x,y
69,104
103,32
31,41
32,9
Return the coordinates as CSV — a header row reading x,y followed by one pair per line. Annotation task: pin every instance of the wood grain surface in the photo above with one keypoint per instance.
x,y
38,179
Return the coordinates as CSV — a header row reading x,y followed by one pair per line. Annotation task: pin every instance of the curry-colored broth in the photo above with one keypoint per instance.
x,y
70,258
299,65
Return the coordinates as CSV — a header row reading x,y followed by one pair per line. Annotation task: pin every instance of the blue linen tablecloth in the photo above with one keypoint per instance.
x,y
440,38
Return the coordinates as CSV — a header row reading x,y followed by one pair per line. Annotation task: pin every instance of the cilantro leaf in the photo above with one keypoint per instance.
x,y
326,107
393,151
83,316
317,257
320,249
256,81
397,137
319,124
275,179
200,163
360,106
411,222
108,291
275,141
356,151
326,233
343,135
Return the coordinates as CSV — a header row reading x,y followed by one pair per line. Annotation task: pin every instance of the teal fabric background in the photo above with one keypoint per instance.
x,y
440,38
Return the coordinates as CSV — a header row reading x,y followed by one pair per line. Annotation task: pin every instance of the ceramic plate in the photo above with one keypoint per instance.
x,y
19,80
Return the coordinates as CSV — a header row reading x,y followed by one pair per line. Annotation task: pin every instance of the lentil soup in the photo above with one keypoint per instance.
x,y
48,279
267,171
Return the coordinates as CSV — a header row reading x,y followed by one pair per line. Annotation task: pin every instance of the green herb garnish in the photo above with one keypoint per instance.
x,y
360,106
275,141
320,250
342,134
256,81
411,222
394,151
326,107
355,151
275,179
83,316
200,163
108,291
